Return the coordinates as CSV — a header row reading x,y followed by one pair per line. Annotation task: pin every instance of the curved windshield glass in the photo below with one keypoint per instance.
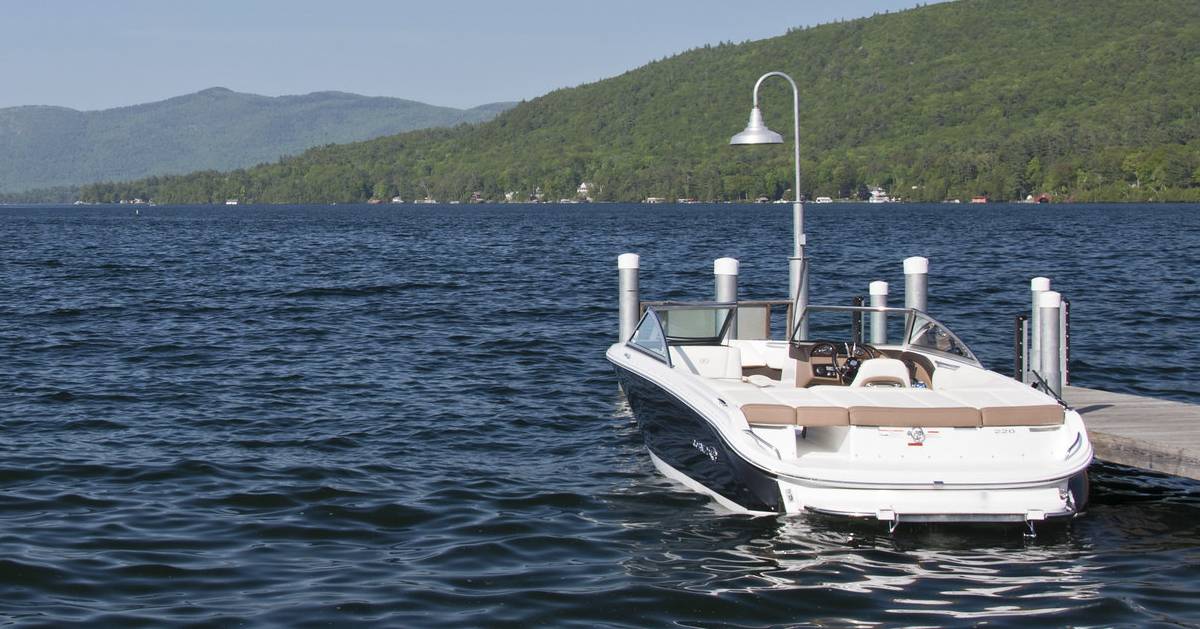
x,y
649,338
920,332
928,334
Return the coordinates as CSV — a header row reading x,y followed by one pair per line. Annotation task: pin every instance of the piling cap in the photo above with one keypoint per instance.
x,y
725,266
878,288
1039,284
627,261
916,265
1050,299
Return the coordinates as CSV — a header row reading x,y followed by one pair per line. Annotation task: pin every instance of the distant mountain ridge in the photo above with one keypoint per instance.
x,y
1085,101
213,129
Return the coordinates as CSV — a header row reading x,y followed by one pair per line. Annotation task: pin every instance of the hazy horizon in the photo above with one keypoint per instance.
x,y
222,87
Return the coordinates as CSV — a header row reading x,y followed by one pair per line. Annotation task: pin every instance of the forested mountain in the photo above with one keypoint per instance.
x,y
217,128
1089,100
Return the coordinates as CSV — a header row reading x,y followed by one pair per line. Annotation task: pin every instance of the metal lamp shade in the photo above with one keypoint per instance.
x,y
756,132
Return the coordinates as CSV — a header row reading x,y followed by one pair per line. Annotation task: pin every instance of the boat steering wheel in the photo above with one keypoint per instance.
x,y
856,354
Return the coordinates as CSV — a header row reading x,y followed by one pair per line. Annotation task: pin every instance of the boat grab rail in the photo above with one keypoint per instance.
x,y
764,442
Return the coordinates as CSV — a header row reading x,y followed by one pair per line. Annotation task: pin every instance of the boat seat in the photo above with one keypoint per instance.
x,y
1010,406
810,409
878,372
772,406
769,414
709,361
751,356
897,407
758,407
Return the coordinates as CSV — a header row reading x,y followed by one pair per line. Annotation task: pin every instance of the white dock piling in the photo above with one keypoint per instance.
x,y
1049,305
916,283
725,274
879,299
1037,286
629,299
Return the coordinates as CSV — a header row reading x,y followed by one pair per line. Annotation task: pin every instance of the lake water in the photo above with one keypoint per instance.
x,y
402,416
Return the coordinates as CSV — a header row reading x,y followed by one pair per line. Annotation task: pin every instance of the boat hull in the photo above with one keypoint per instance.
x,y
689,446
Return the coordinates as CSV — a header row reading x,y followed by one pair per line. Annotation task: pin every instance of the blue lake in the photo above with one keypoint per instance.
x,y
402,416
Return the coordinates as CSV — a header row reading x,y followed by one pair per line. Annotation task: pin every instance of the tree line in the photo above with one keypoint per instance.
x,y
1078,101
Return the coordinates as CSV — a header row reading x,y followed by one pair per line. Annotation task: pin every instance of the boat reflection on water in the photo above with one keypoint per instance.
x,y
814,565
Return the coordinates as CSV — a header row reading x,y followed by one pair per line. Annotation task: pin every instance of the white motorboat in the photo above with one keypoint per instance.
x,y
915,430
910,427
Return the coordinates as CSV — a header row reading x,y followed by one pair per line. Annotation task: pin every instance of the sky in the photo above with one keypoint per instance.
x,y
87,54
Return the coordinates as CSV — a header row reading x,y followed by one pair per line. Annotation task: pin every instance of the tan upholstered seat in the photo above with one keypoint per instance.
x,y
811,409
901,416
1045,415
900,407
769,414
1010,406
816,416
780,406
881,372
758,407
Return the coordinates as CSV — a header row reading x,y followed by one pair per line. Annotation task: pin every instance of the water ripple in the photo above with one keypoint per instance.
x,y
402,417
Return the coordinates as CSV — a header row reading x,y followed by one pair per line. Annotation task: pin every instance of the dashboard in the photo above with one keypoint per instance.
x,y
838,362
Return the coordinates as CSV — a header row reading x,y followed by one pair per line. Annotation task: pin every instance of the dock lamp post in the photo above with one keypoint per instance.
x,y
756,132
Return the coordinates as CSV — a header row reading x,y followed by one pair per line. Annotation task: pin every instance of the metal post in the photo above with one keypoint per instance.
x,y
630,302
856,322
1019,353
1049,305
1037,286
916,283
1026,348
798,290
879,295
725,272
797,264
1064,331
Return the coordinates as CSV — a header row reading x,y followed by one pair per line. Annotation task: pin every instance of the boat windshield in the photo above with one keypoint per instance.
x,y
695,324
927,334
680,324
649,338
701,323
920,331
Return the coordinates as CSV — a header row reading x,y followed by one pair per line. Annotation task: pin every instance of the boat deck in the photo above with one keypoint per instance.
x,y
1147,433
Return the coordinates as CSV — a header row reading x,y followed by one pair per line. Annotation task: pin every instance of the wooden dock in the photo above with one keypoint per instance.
x,y
1142,432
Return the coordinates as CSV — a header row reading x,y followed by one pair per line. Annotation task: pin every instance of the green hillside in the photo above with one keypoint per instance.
x,y
217,128
1086,100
